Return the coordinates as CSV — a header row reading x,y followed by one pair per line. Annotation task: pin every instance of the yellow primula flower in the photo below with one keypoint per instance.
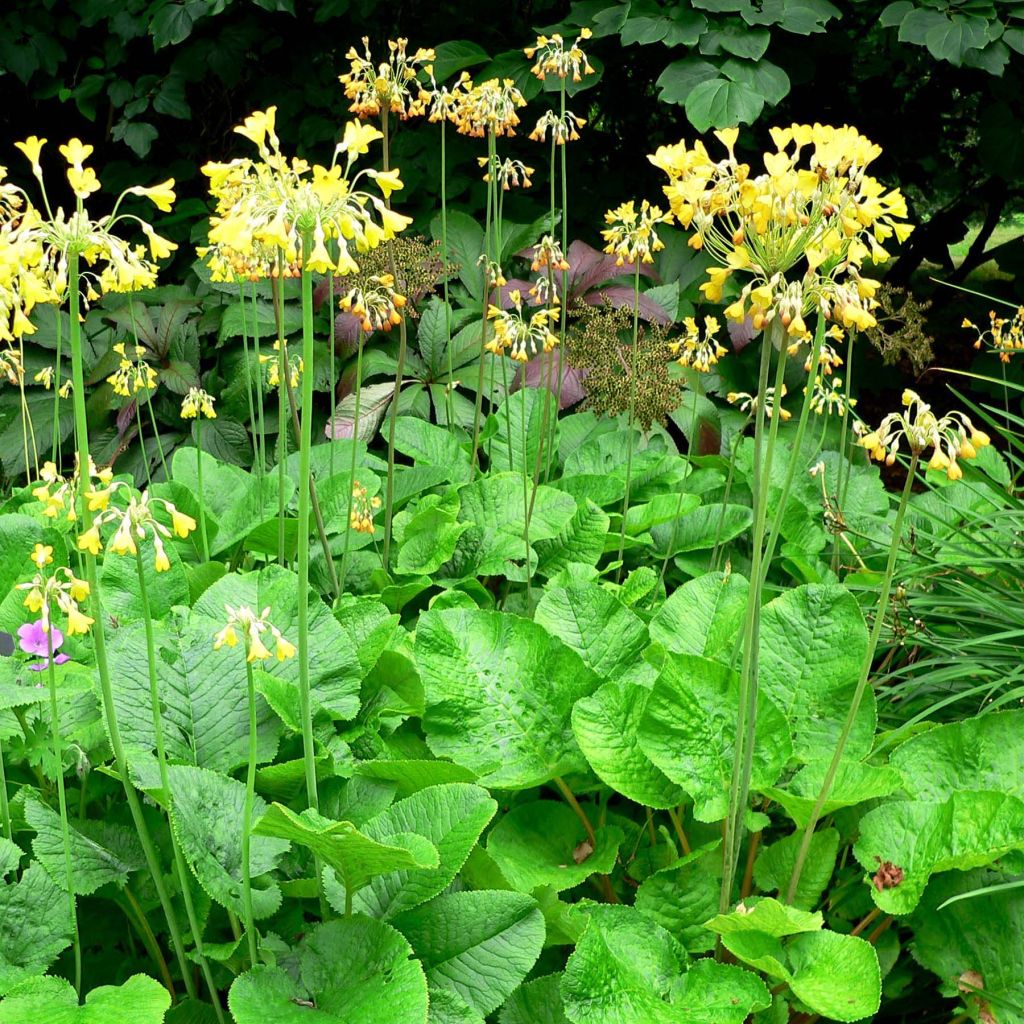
x,y
32,147
42,555
162,196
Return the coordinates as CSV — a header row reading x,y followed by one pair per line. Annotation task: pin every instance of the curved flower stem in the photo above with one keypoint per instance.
x,y
247,363
389,502
562,328
632,412
478,407
250,794
845,466
199,485
305,444
862,682
181,870
526,497
99,638
5,807
747,718
62,802
729,479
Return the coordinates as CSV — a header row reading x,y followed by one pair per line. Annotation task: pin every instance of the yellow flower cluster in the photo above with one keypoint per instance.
x,y
58,493
363,509
827,397
632,234
798,232
487,108
951,436
523,336
197,403
62,590
389,86
553,57
698,351
252,627
135,522
1004,337
563,127
375,302
508,173
269,210
294,364
748,403
132,376
11,367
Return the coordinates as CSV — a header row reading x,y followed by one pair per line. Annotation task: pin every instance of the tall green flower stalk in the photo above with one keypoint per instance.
x,y
352,464
630,441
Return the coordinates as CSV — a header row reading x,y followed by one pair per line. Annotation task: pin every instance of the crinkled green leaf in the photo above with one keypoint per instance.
x,y
606,727
430,445
450,816
581,540
714,993
119,585
968,830
34,926
977,753
622,970
544,843
206,812
813,644
704,616
499,693
411,776
701,529
355,857
684,895
479,945
688,730
537,1002
140,1000
854,783
775,863
608,636
352,971
767,916
448,1008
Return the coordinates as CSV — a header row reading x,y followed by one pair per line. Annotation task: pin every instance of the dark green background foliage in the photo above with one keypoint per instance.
x,y
936,82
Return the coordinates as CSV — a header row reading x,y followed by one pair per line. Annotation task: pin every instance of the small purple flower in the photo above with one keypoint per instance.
x,y
33,640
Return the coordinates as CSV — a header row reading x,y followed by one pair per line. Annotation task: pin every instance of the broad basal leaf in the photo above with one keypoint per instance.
x,y
448,1008
688,730
714,993
544,843
704,616
34,926
581,540
380,981
499,693
775,863
854,783
140,1000
480,945
684,896
537,1002
767,916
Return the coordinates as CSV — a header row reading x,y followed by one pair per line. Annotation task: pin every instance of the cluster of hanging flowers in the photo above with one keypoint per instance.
x,y
1003,337
136,522
523,335
554,58
58,494
60,590
276,210
950,437
198,403
390,86
749,403
632,234
364,508
252,627
697,350
37,242
797,233
375,302
132,375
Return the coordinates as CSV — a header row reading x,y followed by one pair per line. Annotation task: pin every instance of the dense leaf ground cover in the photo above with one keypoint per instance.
x,y
481,626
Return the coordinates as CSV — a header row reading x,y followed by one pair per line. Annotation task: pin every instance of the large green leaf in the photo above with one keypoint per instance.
x,y
606,725
704,616
334,667
765,916
206,813
978,753
813,645
544,843
609,637
684,895
775,864
714,993
581,540
688,730
350,971
721,103
525,439
537,1002
921,838
204,706
119,585
622,970
140,1000
854,783
34,926
499,694
355,857
701,529
480,945
451,817
448,1008
430,445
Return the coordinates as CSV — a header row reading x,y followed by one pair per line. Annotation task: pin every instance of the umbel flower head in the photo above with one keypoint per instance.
x,y
252,627
563,127
632,234
376,303
950,437
522,335
748,403
390,86
197,403
363,509
135,522
273,363
828,399
488,109
551,56
696,350
61,590
37,244
58,493
132,375
267,209
508,173
798,232
1004,336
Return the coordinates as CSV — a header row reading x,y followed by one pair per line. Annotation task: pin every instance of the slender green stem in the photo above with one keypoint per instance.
x,y
99,638
305,445
136,916
485,303
526,497
5,807
142,441
746,719
389,501
508,412
844,462
181,869
250,795
247,363
199,484
449,396
862,682
156,436
352,466
62,802
562,324
55,448
632,411
695,391
729,478
261,467
283,369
